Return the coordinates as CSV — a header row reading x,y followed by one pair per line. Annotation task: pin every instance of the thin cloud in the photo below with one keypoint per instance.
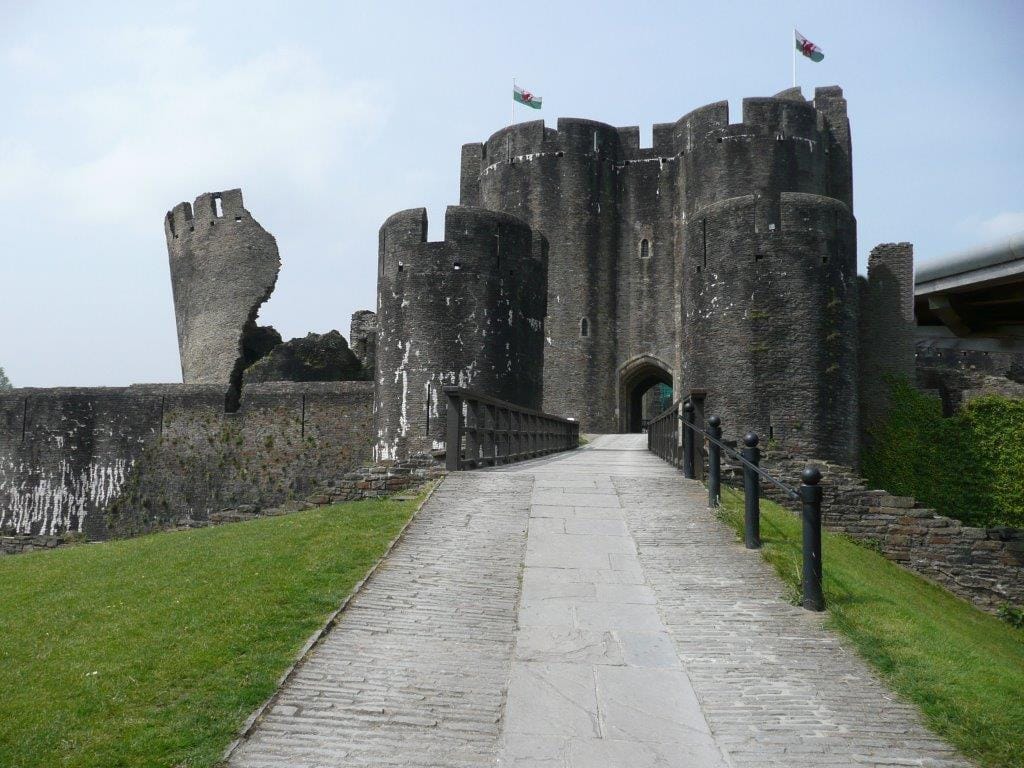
x,y
1002,225
177,121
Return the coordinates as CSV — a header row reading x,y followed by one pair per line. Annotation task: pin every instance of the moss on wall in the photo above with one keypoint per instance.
x,y
969,466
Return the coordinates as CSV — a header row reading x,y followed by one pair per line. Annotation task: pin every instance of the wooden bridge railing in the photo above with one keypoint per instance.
x,y
483,431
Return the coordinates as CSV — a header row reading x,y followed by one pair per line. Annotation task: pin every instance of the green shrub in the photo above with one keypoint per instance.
x,y
969,466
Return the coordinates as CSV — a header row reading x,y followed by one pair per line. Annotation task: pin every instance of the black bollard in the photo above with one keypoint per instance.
x,y
751,493
688,440
810,493
714,461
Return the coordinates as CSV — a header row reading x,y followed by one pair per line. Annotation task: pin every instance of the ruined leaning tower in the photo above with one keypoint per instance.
x,y
467,310
224,265
722,259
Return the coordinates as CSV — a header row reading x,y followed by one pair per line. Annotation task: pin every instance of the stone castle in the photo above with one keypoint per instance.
x,y
579,271
720,261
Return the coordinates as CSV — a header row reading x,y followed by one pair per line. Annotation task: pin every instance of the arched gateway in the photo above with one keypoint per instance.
x,y
642,376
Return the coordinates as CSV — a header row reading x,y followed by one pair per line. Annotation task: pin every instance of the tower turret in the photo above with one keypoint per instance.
x,y
769,278
468,310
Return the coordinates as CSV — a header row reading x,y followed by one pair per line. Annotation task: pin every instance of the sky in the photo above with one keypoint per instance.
x,y
332,116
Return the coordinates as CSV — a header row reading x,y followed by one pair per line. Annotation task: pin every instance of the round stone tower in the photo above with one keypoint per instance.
x,y
768,276
468,310
563,183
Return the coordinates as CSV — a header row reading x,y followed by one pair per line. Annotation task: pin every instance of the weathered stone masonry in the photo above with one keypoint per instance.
x,y
722,258
224,265
115,461
983,565
466,311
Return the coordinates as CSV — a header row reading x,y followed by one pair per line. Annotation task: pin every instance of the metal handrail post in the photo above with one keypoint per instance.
x,y
810,493
751,492
714,461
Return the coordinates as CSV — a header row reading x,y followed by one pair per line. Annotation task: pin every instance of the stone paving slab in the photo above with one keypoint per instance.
x,y
582,610
596,680
777,688
415,672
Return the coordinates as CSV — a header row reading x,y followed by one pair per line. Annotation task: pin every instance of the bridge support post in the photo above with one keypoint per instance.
x,y
714,461
751,493
688,441
810,494
453,432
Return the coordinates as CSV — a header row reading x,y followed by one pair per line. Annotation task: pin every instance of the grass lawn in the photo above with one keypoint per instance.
x,y
962,667
153,651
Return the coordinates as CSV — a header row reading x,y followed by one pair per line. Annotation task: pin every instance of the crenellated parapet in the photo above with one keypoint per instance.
x,y
466,310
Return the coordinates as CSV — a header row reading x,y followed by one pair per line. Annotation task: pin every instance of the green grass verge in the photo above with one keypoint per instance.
x,y
153,651
962,667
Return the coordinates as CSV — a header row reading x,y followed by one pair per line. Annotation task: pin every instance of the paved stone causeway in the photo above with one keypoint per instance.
x,y
643,635
415,672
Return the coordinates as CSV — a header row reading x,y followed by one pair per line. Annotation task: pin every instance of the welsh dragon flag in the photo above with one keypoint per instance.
x,y
807,48
525,97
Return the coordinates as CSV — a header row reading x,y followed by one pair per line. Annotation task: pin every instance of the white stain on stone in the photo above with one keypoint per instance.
x,y
58,499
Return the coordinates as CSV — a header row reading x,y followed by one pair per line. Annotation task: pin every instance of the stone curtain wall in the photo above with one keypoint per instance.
x,y
120,461
983,565
66,453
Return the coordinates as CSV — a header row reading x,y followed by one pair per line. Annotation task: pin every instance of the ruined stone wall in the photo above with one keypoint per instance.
x,y
468,310
224,265
362,338
887,328
958,374
118,461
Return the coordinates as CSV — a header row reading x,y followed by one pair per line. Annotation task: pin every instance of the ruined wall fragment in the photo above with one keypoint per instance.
x,y
224,265
362,338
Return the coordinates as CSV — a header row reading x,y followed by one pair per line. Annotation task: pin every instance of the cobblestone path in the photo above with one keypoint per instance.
x,y
585,609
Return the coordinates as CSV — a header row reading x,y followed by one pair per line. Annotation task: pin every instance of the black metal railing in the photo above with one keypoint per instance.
x,y
672,435
483,431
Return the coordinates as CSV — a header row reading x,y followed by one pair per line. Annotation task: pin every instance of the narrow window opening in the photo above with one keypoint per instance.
x,y
401,266
771,432
584,327
758,256
238,218
218,207
559,154
645,249
497,250
458,265
824,259
595,141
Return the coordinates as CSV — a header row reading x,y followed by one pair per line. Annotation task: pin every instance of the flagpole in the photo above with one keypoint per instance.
x,y
792,47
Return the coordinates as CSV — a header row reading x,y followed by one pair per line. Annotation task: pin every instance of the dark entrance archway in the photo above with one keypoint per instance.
x,y
642,382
